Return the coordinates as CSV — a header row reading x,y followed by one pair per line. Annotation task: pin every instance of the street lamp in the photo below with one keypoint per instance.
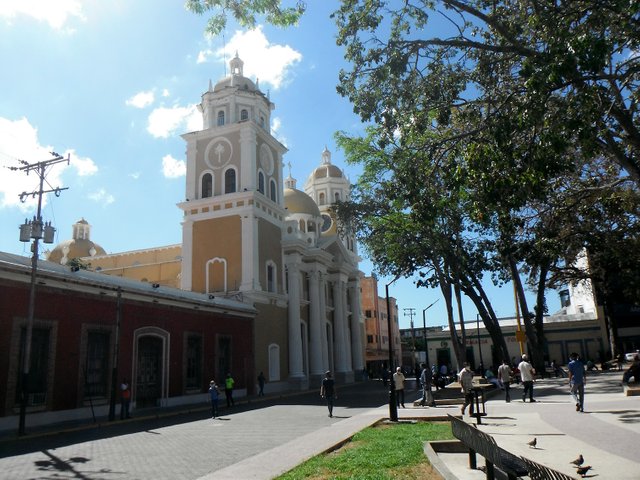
x,y
393,408
479,347
424,332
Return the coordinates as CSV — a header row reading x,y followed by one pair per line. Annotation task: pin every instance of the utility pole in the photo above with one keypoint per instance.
x,y
35,230
410,312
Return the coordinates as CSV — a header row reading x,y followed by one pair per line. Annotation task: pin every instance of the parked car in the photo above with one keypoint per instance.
x,y
631,356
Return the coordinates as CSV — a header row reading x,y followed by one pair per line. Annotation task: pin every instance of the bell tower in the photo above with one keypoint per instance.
x,y
234,206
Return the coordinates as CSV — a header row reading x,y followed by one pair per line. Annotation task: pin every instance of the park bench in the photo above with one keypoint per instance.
x,y
479,442
495,457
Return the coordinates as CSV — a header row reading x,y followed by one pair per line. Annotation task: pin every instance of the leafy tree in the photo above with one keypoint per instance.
x,y
246,12
570,66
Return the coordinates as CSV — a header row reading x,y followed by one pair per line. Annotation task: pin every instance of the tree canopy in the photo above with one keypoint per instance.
x,y
503,139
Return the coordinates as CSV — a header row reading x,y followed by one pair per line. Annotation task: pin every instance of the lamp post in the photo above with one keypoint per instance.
x,y
424,331
393,408
33,230
479,347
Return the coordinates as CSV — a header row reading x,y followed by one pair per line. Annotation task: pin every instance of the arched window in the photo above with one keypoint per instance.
x,y
261,182
206,189
220,118
337,195
261,121
273,194
302,226
230,181
322,199
244,115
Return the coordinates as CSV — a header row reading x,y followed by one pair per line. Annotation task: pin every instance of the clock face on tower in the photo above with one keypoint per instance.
x,y
266,159
327,222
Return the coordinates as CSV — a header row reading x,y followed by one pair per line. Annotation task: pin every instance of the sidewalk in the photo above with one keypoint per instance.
x,y
270,436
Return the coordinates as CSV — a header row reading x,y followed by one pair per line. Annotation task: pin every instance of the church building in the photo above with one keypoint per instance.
x,y
250,235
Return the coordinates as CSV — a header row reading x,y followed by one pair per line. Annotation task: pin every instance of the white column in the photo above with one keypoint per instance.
x,y
323,322
338,328
247,155
345,325
315,327
250,266
356,328
295,339
186,278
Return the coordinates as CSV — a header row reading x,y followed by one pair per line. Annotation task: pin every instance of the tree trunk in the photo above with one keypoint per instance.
x,y
535,347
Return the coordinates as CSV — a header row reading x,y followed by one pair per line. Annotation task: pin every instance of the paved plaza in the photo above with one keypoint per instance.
x,y
261,439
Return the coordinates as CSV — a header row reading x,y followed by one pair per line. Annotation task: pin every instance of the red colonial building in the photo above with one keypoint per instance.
x,y
90,331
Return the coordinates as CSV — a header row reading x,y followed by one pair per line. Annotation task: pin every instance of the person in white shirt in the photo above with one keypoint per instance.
x,y
465,377
527,373
398,380
504,377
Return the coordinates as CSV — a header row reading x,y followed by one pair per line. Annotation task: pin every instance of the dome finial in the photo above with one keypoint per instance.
x,y
326,156
236,66
290,182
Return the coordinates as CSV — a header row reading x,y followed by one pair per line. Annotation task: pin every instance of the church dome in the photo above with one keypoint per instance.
x,y
237,78
235,81
79,246
324,171
296,201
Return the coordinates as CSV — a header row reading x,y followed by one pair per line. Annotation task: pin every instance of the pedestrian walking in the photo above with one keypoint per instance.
x,y
426,378
620,361
398,381
328,391
125,399
527,375
465,377
228,389
577,381
504,377
214,395
261,380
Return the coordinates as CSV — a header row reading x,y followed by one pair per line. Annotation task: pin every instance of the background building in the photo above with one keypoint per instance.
x,y
374,308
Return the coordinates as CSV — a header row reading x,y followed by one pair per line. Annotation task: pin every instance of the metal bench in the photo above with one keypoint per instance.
x,y
479,442
540,472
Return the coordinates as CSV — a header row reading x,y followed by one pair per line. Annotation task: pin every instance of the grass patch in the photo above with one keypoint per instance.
x,y
385,451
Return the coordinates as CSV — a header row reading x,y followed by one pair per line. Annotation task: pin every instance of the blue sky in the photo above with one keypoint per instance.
x,y
114,85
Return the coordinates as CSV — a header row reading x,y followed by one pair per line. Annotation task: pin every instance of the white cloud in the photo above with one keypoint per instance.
x,y
165,122
268,62
141,99
135,175
83,165
19,141
276,123
101,196
173,168
56,14
165,92
203,56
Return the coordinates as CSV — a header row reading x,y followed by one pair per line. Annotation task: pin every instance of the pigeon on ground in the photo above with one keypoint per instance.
x,y
533,443
578,461
582,471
